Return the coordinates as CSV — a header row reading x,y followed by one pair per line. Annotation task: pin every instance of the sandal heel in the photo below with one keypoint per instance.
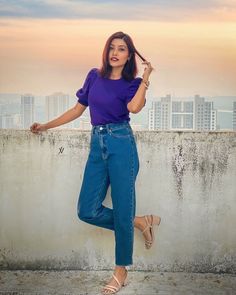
x,y
125,282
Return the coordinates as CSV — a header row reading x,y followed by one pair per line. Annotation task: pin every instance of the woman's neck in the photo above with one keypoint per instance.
x,y
116,73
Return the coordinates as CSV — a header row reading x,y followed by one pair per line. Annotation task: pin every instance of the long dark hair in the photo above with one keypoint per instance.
x,y
130,69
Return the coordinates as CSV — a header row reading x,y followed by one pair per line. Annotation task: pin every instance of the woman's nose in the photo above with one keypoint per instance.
x,y
115,51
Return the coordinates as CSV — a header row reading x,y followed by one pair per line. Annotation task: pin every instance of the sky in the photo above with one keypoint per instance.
x,y
49,46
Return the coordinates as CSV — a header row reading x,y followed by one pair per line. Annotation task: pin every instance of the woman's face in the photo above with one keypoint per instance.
x,y
118,53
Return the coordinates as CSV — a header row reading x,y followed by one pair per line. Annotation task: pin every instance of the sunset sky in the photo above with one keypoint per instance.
x,y
49,46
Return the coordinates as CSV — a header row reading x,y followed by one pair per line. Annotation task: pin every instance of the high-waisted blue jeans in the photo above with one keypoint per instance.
x,y
113,160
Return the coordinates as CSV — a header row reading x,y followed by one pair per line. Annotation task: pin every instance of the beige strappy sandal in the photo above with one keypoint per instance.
x,y
155,220
113,289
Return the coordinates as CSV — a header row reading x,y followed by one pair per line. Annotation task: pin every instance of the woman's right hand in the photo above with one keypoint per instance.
x,y
147,71
37,127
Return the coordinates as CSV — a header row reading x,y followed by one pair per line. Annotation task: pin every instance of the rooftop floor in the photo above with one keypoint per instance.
x,y
91,282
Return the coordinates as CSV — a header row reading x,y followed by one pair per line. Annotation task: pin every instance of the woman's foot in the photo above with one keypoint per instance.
x,y
118,280
145,224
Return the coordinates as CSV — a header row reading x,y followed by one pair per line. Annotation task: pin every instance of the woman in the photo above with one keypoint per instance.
x,y
111,93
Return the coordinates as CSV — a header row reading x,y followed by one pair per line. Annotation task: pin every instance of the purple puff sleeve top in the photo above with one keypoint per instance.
x,y
107,99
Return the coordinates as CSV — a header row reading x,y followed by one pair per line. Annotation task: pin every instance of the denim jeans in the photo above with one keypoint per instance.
x,y
113,160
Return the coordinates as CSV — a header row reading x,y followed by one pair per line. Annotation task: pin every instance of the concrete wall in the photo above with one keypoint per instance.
x,y
188,178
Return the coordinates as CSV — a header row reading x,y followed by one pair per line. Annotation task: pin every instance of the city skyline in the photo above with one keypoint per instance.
x,y
191,45
10,111
224,102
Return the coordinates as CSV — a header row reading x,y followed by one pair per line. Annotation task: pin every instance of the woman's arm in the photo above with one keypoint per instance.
x,y
66,117
138,101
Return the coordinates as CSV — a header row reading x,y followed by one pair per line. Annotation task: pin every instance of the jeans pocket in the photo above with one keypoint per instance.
x,y
121,132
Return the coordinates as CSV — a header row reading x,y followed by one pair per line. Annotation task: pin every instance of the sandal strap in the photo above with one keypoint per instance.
x,y
148,224
115,278
147,221
148,242
146,228
111,288
152,219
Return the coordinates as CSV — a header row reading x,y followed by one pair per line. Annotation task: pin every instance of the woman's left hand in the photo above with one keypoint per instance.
x,y
147,70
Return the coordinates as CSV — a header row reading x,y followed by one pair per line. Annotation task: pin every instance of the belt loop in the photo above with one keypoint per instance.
x,y
94,129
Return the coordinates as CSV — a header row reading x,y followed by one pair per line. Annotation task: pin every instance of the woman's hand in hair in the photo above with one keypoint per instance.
x,y
147,70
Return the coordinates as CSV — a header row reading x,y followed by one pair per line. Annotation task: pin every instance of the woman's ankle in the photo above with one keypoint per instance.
x,y
120,269
138,222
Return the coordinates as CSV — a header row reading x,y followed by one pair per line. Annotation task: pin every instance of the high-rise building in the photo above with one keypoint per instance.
x,y
159,116
182,115
213,119
151,121
154,116
166,112
204,113
9,121
27,110
234,115
1,115
56,105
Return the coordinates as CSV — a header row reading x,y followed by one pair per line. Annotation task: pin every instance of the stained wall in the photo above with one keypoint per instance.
x,y
188,178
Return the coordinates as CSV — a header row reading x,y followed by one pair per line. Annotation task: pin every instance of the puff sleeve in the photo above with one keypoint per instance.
x,y
82,93
132,89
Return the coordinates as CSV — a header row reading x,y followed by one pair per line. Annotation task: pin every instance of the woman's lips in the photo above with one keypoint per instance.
x,y
114,59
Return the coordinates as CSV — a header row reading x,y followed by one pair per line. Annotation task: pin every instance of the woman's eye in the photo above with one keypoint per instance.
x,y
120,49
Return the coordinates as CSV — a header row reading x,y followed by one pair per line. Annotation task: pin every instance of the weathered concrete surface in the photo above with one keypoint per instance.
x,y
186,177
91,282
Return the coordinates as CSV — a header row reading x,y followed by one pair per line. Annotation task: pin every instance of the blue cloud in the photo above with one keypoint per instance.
x,y
104,9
